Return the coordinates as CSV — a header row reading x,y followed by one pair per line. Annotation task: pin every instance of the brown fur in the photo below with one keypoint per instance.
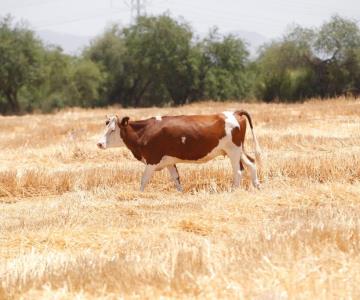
x,y
152,139
238,134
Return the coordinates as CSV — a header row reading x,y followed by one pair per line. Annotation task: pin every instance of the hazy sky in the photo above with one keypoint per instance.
x,y
267,17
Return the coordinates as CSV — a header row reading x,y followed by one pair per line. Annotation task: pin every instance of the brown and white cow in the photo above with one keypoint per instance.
x,y
162,142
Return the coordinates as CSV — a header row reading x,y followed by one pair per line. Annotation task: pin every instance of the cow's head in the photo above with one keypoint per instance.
x,y
111,136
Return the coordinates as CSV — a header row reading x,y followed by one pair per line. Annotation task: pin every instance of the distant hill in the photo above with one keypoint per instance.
x,y
71,44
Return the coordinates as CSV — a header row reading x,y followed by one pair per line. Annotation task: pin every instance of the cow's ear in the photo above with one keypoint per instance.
x,y
124,122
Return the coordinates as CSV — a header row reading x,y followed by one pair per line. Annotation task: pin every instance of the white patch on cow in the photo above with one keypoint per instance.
x,y
158,118
183,139
230,122
143,160
111,136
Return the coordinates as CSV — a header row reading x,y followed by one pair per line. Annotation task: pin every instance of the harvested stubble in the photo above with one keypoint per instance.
x,y
73,224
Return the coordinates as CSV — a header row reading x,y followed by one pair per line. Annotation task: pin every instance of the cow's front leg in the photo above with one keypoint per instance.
x,y
149,171
175,176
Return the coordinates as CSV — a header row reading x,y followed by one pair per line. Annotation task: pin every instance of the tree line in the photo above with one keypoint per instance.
x,y
160,61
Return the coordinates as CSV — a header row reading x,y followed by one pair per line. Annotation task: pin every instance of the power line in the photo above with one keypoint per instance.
x,y
74,20
137,8
32,4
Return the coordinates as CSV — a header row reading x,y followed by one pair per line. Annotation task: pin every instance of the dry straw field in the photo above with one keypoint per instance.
x,y
73,223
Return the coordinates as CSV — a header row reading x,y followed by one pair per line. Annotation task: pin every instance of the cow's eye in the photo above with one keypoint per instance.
x,y
107,123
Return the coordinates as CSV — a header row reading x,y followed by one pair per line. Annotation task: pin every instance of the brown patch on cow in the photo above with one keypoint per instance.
x,y
124,121
153,139
238,134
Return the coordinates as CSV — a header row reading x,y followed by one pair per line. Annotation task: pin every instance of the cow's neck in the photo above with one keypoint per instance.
x,y
131,135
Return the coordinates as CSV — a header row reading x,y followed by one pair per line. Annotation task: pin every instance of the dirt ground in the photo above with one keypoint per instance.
x,y
73,223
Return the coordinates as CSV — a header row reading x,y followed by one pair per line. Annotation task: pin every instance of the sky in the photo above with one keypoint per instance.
x,y
266,17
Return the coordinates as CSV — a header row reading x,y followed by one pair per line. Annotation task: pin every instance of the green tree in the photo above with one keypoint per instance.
x,y
20,57
283,73
159,49
221,64
109,52
50,90
147,63
86,80
311,62
157,61
335,62
330,51
63,81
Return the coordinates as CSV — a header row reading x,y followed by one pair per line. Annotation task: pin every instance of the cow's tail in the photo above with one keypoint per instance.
x,y
256,143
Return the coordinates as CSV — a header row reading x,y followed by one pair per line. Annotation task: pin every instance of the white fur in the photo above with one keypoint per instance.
x,y
111,136
158,118
230,122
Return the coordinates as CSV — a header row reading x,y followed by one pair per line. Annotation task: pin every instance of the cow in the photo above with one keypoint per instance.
x,y
163,141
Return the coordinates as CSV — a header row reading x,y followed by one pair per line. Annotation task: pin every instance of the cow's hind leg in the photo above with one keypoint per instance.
x,y
149,171
250,163
236,166
175,176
